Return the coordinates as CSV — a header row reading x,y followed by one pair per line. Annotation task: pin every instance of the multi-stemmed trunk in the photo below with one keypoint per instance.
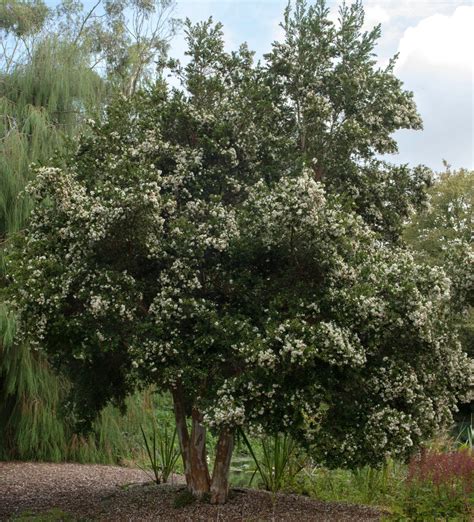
x,y
193,451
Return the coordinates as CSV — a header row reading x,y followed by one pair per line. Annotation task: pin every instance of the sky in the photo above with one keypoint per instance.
x,y
435,42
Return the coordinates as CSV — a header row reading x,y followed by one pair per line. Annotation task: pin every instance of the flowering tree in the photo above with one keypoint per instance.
x,y
191,243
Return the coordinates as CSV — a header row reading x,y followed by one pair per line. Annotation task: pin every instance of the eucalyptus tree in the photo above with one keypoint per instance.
x,y
190,242
135,40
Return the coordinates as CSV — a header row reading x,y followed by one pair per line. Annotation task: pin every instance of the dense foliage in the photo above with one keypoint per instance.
x,y
342,110
441,235
290,303
207,241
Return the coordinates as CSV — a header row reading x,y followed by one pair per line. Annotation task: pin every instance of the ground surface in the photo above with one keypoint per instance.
x,y
94,492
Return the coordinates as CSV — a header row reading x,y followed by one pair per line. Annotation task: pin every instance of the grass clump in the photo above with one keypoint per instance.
x,y
162,451
183,498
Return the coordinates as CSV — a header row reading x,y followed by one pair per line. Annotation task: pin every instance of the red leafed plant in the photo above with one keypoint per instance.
x,y
449,470
439,486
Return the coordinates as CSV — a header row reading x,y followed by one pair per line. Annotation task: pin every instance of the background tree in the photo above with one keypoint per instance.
x,y
181,246
447,220
441,235
46,91
58,67
135,40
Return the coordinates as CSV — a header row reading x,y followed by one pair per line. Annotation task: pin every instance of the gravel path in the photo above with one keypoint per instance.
x,y
111,493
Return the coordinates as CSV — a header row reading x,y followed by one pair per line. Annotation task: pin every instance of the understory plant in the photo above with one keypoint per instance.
x,y
161,448
275,459
379,486
439,486
465,437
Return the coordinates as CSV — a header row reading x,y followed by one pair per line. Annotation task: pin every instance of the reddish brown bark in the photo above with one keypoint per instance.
x,y
200,479
193,453
193,447
220,474
182,430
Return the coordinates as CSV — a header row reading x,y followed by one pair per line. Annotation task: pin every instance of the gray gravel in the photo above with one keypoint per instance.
x,y
112,493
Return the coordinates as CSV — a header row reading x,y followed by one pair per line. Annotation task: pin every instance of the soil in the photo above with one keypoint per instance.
x,y
78,492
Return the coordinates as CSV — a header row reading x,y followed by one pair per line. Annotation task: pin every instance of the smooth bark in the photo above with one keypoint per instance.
x,y
193,453
220,474
200,479
182,430
193,447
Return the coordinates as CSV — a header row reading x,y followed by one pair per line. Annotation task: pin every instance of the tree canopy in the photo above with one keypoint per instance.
x,y
441,235
232,243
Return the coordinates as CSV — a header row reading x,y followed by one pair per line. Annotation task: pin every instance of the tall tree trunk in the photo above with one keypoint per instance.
x,y
193,447
220,474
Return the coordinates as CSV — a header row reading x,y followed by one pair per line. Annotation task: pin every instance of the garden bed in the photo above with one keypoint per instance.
x,y
96,492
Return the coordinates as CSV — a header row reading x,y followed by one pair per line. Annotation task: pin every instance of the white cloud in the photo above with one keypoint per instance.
x,y
411,9
440,41
375,14
436,62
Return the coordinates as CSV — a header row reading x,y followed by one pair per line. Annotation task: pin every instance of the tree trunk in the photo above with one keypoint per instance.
x,y
220,474
200,479
193,448
193,453
182,430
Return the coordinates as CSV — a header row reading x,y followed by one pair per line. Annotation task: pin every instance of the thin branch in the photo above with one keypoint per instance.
x,y
89,14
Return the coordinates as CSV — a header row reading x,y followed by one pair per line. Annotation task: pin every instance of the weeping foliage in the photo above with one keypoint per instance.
x,y
31,428
35,428
41,103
